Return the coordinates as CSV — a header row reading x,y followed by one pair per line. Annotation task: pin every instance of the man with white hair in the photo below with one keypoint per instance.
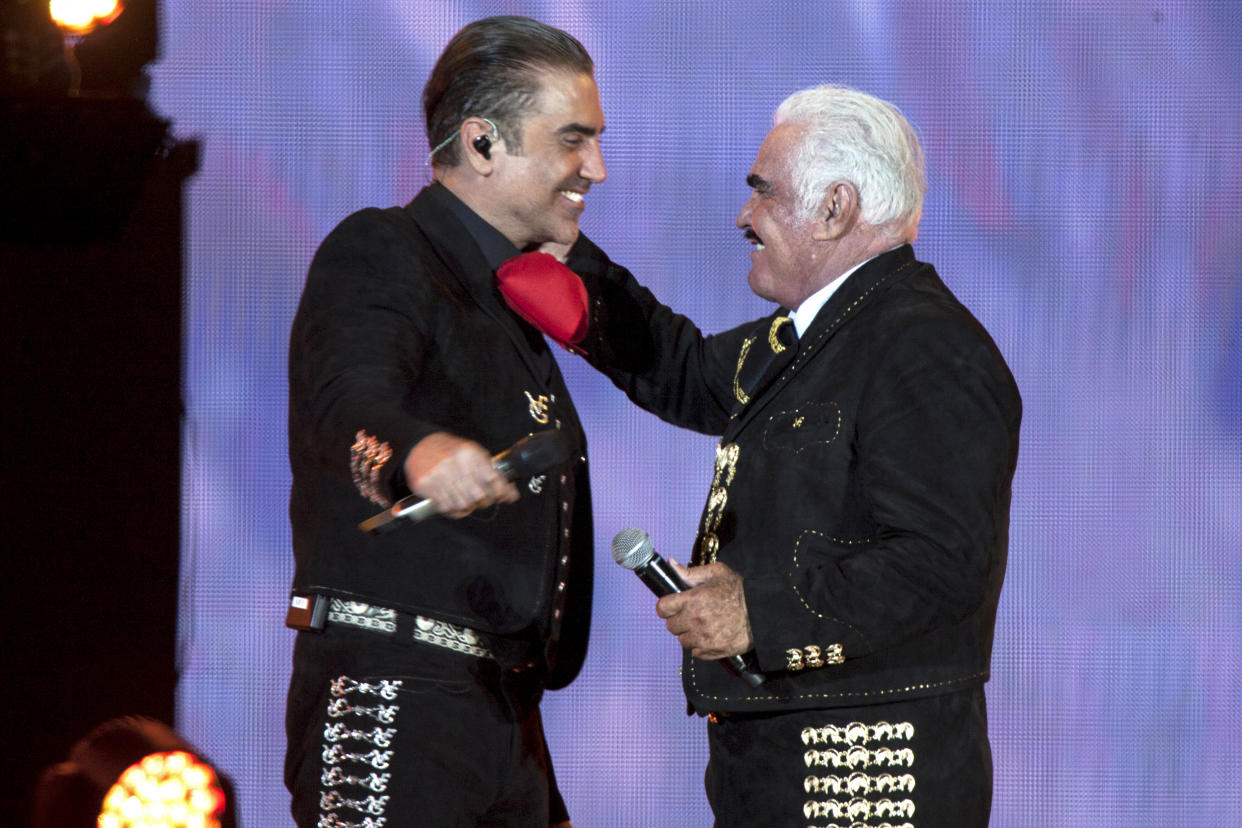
x,y
854,540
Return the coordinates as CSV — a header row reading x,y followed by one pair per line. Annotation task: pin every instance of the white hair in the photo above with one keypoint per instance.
x,y
851,136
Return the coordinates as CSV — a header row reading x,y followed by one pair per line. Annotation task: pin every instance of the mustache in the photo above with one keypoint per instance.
x,y
750,236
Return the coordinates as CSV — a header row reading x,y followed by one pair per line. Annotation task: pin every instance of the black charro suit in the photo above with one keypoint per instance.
x,y
861,490
401,332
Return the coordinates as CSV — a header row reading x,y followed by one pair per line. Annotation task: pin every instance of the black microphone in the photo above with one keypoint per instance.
x,y
633,549
532,455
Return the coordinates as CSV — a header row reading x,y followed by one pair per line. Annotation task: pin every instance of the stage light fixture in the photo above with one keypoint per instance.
x,y
168,788
80,17
133,772
77,19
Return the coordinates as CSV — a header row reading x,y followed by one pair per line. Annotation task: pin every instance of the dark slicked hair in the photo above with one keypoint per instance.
x,y
490,69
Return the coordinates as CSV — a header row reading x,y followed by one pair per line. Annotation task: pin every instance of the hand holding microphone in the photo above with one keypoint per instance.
x,y
717,615
457,475
453,476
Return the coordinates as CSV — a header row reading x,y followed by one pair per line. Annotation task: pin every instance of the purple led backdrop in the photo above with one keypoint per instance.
x,y
1085,201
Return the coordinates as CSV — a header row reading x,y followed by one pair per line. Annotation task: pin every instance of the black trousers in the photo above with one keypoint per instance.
x,y
924,763
390,733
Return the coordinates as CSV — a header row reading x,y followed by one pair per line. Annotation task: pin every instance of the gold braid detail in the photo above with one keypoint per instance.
x,y
741,395
776,345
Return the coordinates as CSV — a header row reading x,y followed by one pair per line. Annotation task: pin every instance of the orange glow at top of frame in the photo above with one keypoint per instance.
x,y
82,16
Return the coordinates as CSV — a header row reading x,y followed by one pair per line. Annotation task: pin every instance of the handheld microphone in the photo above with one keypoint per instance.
x,y
532,455
633,549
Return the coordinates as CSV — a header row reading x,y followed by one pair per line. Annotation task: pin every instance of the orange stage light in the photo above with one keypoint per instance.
x,y
79,17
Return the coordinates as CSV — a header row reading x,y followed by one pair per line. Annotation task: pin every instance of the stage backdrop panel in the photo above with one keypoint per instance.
x,y
1084,201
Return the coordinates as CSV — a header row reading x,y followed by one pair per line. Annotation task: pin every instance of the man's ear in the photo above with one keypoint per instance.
x,y
837,212
479,141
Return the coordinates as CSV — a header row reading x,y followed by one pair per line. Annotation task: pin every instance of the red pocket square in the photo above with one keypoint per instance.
x,y
546,294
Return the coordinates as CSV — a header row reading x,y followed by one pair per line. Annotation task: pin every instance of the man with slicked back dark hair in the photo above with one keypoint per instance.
x,y
492,69
422,653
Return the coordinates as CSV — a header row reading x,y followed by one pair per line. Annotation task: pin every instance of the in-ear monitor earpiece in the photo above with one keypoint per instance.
x,y
482,143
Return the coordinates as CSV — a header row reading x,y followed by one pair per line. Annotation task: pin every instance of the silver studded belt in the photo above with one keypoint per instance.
x,y
425,630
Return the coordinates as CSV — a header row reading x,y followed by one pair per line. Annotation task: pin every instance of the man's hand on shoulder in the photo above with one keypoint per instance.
x,y
709,619
456,475
560,251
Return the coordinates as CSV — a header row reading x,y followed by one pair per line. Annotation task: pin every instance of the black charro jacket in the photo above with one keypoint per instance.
x,y
401,332
862,483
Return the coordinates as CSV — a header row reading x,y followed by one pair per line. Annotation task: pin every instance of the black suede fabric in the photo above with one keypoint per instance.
x,y
401,332
862,493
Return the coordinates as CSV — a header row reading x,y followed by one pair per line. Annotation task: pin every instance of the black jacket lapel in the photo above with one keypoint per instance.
x,y
868,281
466,262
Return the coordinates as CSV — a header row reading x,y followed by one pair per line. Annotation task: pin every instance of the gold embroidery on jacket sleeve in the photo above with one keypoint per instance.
x,y
794,661
367,457
812,656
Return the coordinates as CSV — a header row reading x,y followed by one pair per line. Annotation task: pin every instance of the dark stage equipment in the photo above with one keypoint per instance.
x,y
133,772
90,376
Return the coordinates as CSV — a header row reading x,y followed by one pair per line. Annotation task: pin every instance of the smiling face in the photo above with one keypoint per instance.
x,y
535,194
786,259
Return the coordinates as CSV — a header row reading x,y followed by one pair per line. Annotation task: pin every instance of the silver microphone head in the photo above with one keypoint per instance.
x,y
632,548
